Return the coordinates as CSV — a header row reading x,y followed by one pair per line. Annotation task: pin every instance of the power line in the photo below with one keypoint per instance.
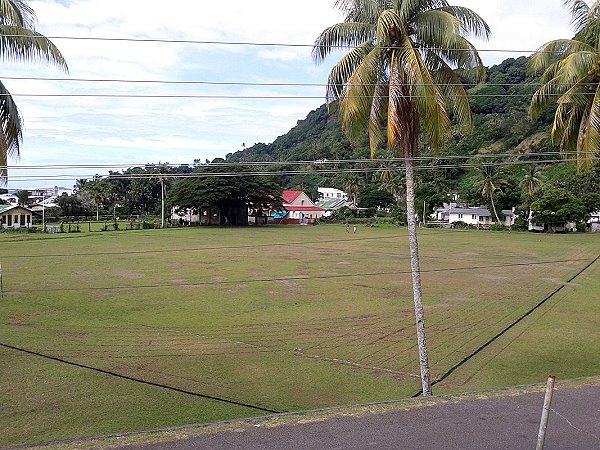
x,y
262,84
492,156
262,97
257,44
22,178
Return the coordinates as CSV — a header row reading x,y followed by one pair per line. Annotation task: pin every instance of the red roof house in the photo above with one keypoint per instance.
x,y
300,208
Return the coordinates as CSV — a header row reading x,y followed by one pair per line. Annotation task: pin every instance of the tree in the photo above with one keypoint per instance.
x,y
352,184
398,77
20,42
230,195
557,206
23,197
489,180
571,77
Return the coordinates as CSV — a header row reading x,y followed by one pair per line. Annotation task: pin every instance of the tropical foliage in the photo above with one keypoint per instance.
x,y
19,42
571,79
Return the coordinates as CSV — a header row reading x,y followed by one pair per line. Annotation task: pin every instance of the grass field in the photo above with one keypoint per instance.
x,y
237,322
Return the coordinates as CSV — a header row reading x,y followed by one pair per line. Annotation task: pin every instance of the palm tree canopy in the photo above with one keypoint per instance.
x,y
19,42
399,72
571,77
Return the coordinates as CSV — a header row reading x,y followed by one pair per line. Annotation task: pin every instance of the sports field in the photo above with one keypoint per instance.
x,y
122,331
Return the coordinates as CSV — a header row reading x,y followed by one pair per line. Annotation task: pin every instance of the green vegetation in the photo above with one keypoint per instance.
x,y
20,42
282,318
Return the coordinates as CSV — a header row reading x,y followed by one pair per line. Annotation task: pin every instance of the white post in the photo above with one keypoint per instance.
x,y
43,212
545,413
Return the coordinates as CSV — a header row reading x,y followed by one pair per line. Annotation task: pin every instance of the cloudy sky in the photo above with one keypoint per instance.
x,y
123,119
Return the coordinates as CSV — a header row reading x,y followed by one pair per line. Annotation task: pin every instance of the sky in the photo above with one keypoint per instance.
x,y
71,122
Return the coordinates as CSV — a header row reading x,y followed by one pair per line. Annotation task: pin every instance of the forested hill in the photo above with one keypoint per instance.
x,y
500,117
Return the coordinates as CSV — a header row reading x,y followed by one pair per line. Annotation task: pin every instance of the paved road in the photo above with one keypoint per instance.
x,y
493,423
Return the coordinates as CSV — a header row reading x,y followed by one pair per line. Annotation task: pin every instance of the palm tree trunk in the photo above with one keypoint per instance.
x,y
494,208
416,278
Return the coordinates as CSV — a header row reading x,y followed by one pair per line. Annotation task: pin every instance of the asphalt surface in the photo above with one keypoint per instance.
x,y
493,423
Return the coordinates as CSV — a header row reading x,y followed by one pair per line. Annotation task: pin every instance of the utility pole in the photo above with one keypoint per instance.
x,y
162,199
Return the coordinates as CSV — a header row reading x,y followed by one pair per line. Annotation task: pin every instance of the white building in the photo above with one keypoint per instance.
x,y
452,213
13,216
594,222
326,193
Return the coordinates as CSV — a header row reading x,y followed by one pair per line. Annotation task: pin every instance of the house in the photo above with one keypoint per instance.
x,y
594,222
14,216
558,227
298,208
451,213
327,193
206,216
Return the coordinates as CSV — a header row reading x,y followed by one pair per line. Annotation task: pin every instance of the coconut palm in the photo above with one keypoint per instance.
x,y
489,180
19,42
532,181
397,77
571,78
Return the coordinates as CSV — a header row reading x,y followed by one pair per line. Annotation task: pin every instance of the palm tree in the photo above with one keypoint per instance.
x,y
532,181
352,184
391,180
398,77
19,42
571,78
490,180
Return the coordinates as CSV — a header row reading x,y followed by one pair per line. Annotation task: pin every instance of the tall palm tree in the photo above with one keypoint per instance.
x,y
19,42
571,78
398,76
490,180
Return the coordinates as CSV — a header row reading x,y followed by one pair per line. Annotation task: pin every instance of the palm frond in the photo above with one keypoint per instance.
x,y
344,69
346,35
556,50
21,44
471,22
378,107
356,100
10,129
588,144
17,13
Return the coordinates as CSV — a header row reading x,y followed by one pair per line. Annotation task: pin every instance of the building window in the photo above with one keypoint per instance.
x,y
9,220
22,222
474,216
460,216
28,218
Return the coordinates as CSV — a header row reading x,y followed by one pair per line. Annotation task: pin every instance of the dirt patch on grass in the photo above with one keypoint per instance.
x,y
128,275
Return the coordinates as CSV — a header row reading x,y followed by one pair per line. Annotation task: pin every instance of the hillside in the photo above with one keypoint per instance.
x,y
500,118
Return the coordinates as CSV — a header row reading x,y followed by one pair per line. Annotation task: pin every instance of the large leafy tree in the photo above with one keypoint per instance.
x,y
571,79
19,42
397,82
231,193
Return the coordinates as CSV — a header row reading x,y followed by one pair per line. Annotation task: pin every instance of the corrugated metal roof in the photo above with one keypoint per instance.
x,y
332,203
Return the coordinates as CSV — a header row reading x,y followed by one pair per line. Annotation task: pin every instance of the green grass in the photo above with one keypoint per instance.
x,y
282,318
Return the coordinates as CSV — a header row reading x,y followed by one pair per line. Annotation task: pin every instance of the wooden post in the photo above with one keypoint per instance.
x,y
1,286
545,413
